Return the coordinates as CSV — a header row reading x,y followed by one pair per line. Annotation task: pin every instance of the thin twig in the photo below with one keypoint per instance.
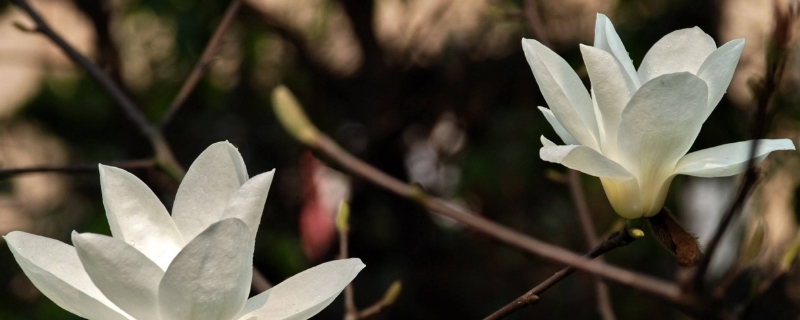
x,y
77,168
204,62
619,239
343,228
659,288
163,153
604,306
260,282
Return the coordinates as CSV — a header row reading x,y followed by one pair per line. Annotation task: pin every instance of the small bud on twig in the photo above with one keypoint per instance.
x,y
392,293
343,217
291,115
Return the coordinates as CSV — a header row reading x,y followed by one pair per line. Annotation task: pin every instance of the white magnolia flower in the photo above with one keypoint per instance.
x,y
635,128
196,264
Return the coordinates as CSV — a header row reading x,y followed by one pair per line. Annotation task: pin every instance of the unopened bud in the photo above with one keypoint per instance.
x,y
392,293
343,217
291,115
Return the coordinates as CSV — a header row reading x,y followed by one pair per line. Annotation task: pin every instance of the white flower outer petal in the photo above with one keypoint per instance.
x,y
205,191
586,160
546,142
564,92
247,203
122,273
679,51
609,41
560,131
611,88
728,159
210,278
136,216
55,269
717,70
303,295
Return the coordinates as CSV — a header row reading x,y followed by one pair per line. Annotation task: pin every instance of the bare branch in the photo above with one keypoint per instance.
x,y
619,239
260,283
294,120
204,62
78,168
163,153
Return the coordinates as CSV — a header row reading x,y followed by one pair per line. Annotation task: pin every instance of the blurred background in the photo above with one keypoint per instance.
x,y
434,92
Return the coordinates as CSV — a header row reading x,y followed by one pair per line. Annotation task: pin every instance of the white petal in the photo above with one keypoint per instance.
x,y
137,217
679,51
560,131
54,268
586,160
728,159
247,204
124,275
546,142
204,193
607,39
563,91
303,295
658,126
717,70
611,87
210,278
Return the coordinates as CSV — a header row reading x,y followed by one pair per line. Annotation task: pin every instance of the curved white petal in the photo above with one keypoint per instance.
x,y
303,295
586,160
563,91
607,39
204,193
560,131
717,70
546,142
137,217
55,269
123,274
210,278
611,87
247,204
728,159
658,126
679,51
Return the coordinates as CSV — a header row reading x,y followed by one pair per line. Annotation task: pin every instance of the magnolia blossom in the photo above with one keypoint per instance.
x,y
634,129
195,264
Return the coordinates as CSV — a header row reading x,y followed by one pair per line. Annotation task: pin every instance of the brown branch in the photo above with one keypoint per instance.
x,y
163,153
618,239
294,120
204,62
604,306
343,229
77,168
260,283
